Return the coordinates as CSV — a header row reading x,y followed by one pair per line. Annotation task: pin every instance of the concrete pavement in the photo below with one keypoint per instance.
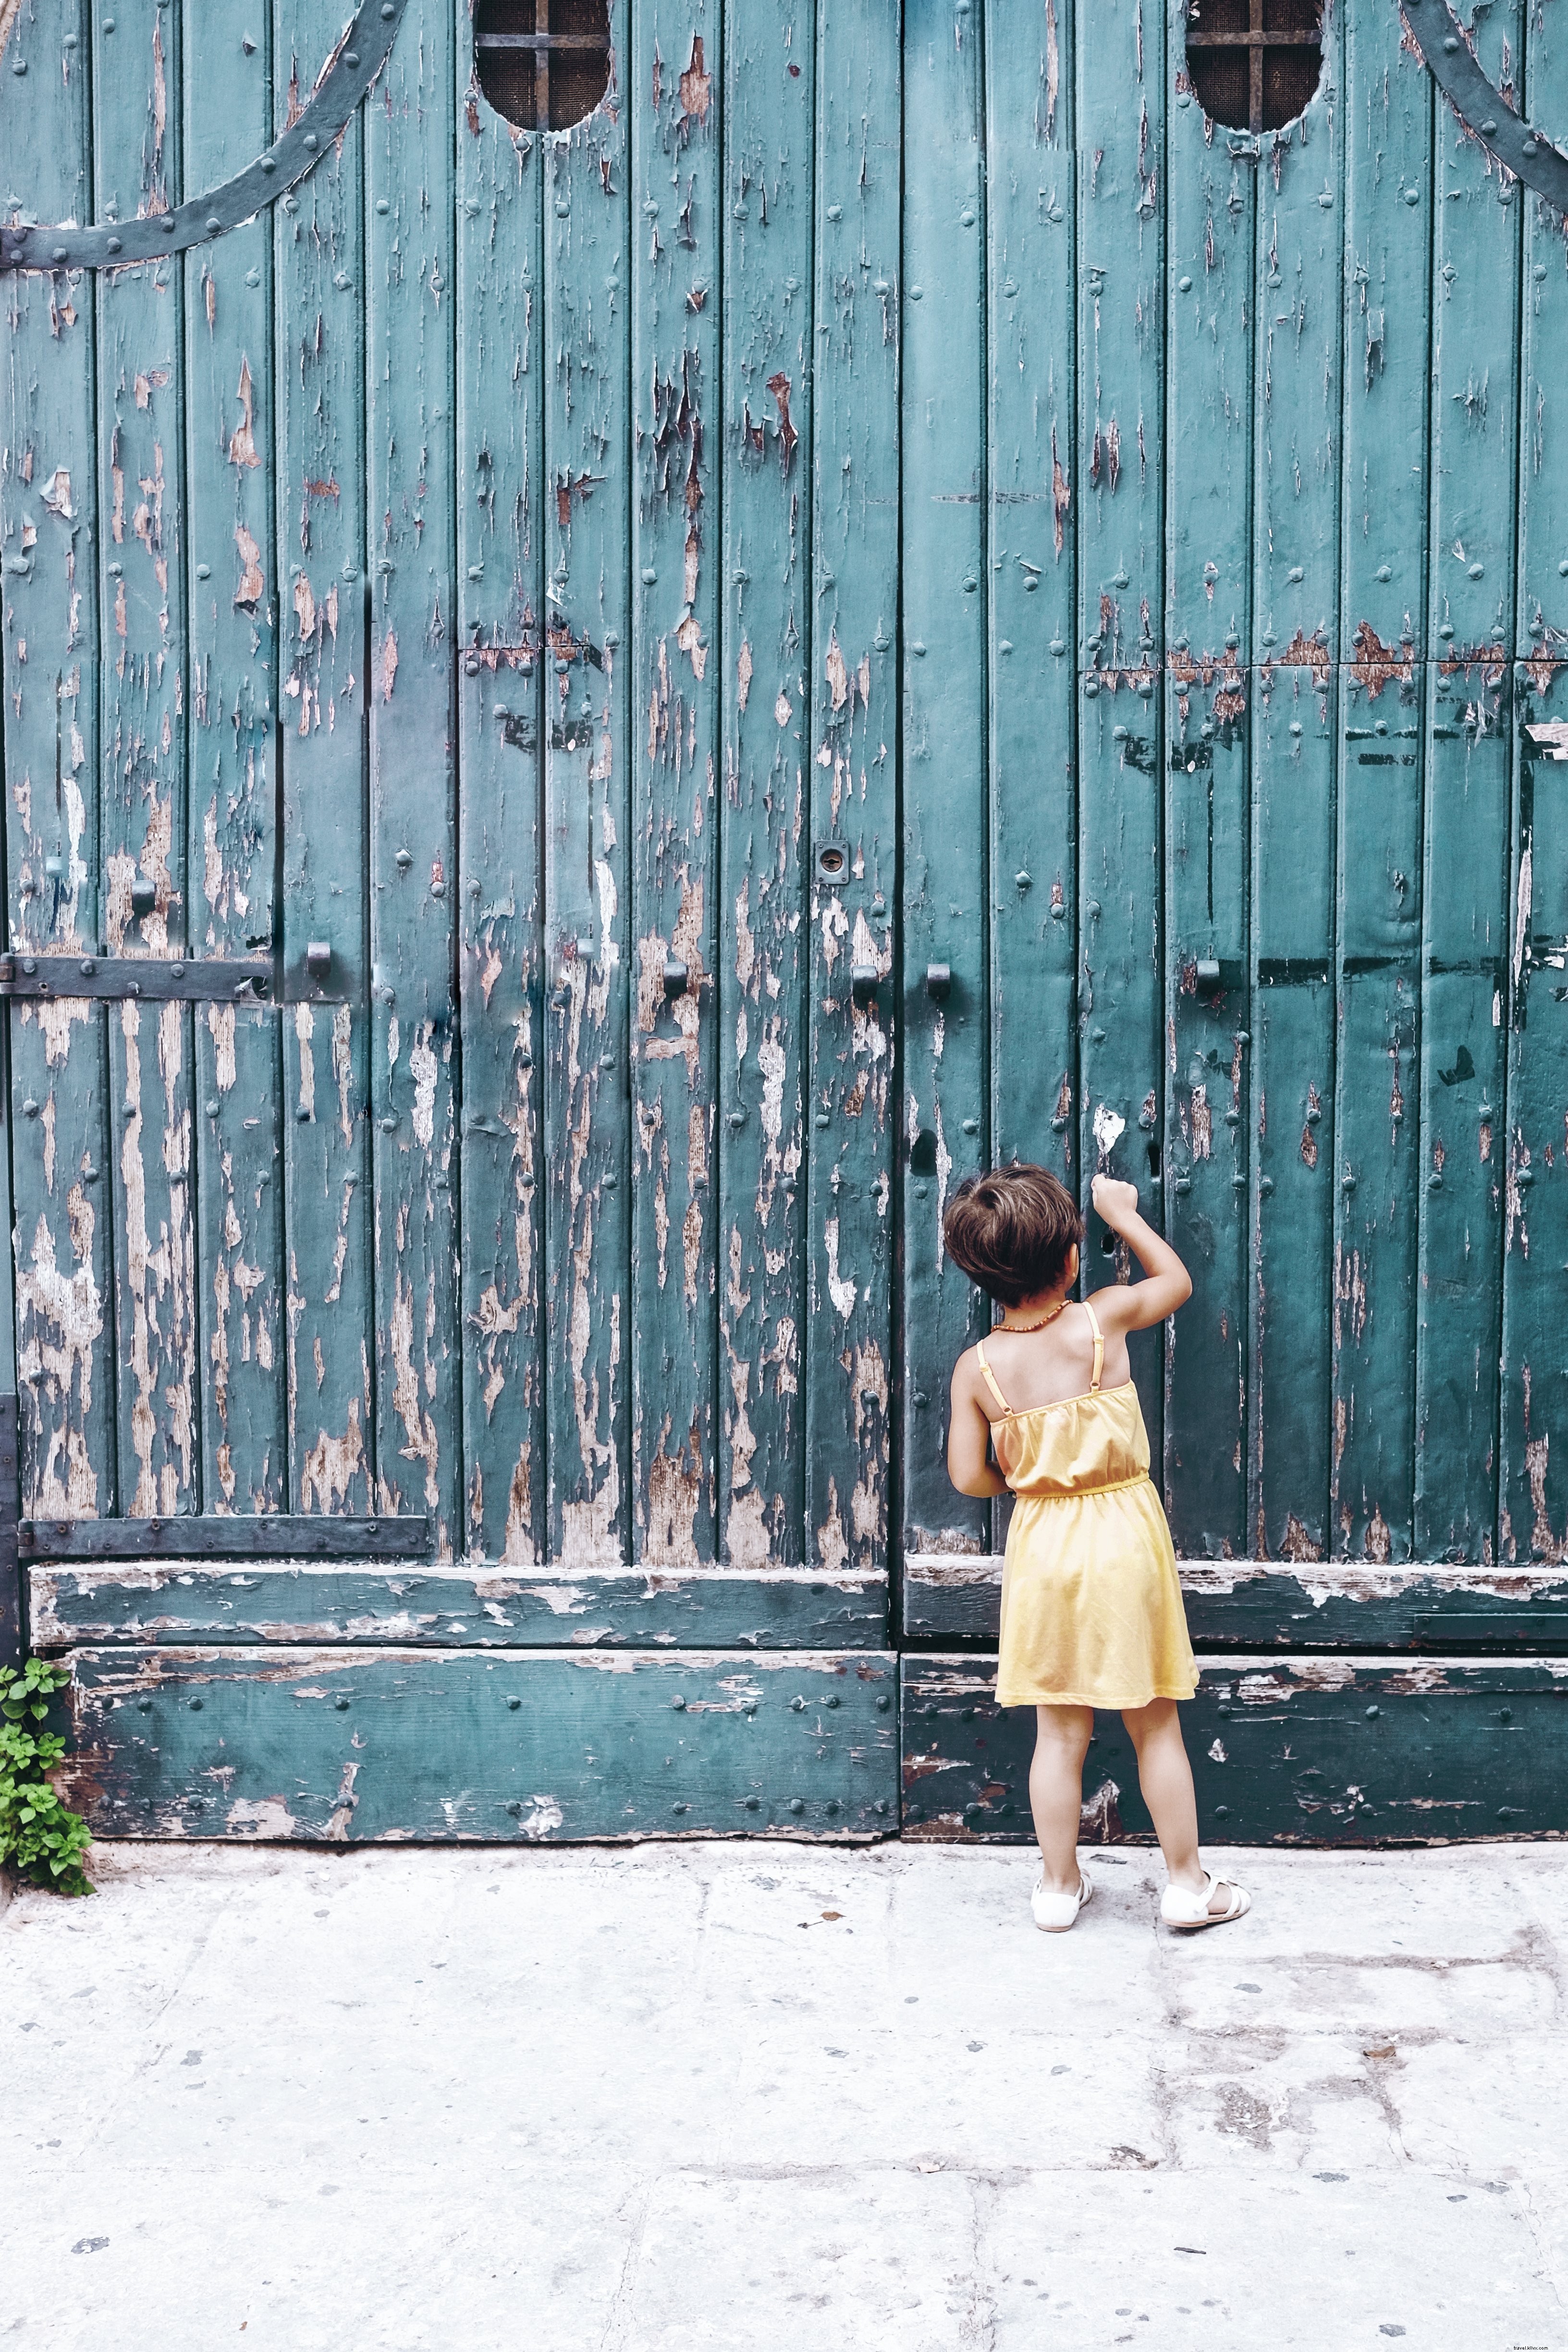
x,y
670,2097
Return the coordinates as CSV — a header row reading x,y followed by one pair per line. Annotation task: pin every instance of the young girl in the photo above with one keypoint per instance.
x,y
1091,1609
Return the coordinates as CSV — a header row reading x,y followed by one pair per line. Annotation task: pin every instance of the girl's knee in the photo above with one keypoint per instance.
x,y
1158,1719
1067,1728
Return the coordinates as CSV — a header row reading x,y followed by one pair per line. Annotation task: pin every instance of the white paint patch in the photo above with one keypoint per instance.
x,y
545,1816
1216,1752
1108,1130
260,1817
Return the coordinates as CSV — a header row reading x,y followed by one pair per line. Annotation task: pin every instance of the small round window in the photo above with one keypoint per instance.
x,y
1254,64
542,64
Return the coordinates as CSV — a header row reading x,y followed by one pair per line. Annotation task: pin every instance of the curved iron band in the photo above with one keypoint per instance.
x,y
349,73
1451,63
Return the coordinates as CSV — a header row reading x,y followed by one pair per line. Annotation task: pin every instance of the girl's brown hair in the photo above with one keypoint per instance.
x,y
1012,1230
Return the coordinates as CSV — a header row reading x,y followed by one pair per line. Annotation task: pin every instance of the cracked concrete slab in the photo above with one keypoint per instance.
x,y
702,2096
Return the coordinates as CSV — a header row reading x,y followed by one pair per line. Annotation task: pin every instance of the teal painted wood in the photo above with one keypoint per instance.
x,y
1389,168
677,439
1286,1751
1532,1514
409,331
1032,548
353,1746
854,795
588,809
456,1608
145,1183
946,605
1209,427
49,549
1121,488
232,803
501,602
319,390
1541,604
1475,344
1259,1605
769,104
1298,396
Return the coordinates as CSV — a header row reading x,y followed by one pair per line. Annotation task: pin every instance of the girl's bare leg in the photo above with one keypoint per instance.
x,y
1166,1778
1056,1791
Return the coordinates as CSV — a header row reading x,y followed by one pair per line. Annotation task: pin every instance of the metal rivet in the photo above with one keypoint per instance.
x,y
832,1699
797,1805
1373,1713
752,1803
196,1707
513,1704
797,1706
883,1704
389,1123
678,1703
342,1705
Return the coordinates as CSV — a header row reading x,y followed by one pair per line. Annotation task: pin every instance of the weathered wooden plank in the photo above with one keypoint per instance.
x,y
344,1746
1533,1140
144,624
946,606
769,65
49,546
319,269
501,602
853,816
1352,1751
1254,1604
1032,621
587,772
1533,1143
1119,255
676,125
1475,424
1297,393
1381,639
1211,197
185,1601
408,306
232,802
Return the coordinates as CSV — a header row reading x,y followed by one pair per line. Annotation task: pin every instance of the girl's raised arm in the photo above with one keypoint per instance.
x,y
1167,1285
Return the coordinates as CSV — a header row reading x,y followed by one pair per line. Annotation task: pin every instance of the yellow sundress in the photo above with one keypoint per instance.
x,y
1091,1607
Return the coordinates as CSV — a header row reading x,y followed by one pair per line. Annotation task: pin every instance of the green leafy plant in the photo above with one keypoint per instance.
x,y
38,1836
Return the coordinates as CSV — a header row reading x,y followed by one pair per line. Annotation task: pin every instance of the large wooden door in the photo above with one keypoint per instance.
x,y
895,595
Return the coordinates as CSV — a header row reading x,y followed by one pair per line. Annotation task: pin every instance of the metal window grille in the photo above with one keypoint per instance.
x,y
1254,63
542,64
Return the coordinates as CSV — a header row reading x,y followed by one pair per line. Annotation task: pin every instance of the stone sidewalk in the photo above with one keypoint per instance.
x,y
767,2096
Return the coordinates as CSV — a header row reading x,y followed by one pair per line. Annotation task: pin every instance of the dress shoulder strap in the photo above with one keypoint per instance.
x,y
989,1378
1098,1347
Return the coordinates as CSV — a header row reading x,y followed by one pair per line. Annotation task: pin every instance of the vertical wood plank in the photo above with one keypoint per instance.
x,y
769,56
1296,476
1532,1142
945,606
1210,211
409,305
50,552
1469,714
1120,260
587,772
854,799
676,128
147,1182
500,590
1031,521
1388,181
231,852
319,261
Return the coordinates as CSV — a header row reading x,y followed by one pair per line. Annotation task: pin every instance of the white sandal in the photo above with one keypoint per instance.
x,y
1056,1913
1178,1908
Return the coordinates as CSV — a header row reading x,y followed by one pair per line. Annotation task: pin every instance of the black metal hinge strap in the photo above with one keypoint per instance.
x,y
264,1536
1448,57
345,80
198,981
